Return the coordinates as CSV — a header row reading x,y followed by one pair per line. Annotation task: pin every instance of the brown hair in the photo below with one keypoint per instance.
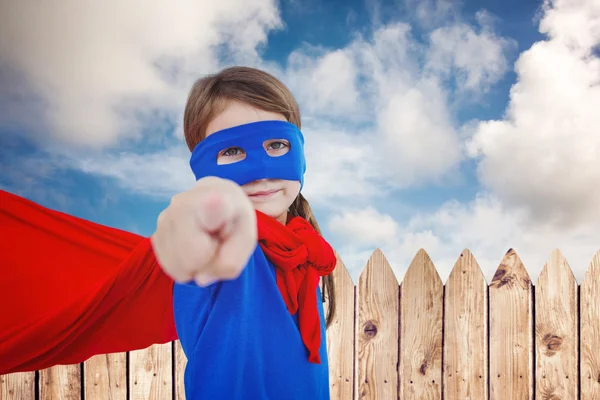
x,y
259,89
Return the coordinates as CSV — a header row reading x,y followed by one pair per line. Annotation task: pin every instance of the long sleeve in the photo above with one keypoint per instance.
x,y
71,289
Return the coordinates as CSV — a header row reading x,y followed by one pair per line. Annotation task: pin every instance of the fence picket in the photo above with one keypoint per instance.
x,y
377,331
180,363
556,331
62,382
340,336
421,304
414,340
150,373
17,386
590,332
511,331
465,331
105,377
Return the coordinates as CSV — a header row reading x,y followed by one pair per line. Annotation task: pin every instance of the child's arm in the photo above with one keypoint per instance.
x,y
70,289
207,233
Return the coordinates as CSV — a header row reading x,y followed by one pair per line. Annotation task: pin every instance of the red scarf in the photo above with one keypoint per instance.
x,y
301,256
75,288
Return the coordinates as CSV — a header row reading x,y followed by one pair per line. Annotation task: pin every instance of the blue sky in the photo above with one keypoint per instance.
x,y
471,124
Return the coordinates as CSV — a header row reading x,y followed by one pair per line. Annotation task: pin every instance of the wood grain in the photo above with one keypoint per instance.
x,y
150,373
421,305
590,332
62,382
105,377
465,331
556,331
17,386
511,331
180,363
377,331
340,336
386,340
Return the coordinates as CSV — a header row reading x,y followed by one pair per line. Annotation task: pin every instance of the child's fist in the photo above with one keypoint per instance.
x,y
207,233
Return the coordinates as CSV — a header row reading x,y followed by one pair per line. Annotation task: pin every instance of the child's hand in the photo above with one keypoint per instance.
x,y
207,233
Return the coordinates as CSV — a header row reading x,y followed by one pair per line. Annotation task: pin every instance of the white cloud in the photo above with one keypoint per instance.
x,y
419,140
113,72
325,83
90,68
485,226
431,13
388,63
160,175
364,227
476,60
341,166
539,164
544,154
383,85
573,23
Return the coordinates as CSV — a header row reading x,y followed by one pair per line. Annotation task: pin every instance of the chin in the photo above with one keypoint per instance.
x,y
272,210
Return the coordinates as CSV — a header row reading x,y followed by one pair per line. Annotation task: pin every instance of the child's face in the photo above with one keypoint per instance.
x,y
270,196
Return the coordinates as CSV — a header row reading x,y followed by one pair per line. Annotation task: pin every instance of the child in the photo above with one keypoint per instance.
x,y
251,320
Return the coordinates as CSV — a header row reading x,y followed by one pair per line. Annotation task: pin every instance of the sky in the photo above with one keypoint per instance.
x,y
434,124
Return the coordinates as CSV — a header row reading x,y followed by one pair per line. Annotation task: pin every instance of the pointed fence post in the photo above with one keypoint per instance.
x,y
511,331
417,340
421,308
465,331
556,331
377,331
590,332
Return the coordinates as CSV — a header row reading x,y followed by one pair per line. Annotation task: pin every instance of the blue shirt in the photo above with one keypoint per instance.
x,y
242,343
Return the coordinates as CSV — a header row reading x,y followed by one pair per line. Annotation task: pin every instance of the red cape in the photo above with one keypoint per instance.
x,y
71,289
70,283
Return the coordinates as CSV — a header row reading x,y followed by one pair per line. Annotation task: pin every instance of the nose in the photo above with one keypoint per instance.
x,y
256,182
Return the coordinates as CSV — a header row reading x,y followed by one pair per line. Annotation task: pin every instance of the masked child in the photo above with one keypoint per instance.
x,y
239,261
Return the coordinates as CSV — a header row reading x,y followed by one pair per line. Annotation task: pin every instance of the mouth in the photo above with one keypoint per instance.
x,y
264,194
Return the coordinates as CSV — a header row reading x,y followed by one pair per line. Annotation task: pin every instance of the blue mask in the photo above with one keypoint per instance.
x,y
258,164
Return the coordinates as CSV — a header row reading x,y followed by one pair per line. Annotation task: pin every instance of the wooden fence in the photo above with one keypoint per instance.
x,y
508,340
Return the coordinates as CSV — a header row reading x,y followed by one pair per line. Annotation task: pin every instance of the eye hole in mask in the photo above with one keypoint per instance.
x,y
273,147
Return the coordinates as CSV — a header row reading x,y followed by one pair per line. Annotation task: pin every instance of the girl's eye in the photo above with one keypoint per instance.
x,y
231,155
232,151
277,145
